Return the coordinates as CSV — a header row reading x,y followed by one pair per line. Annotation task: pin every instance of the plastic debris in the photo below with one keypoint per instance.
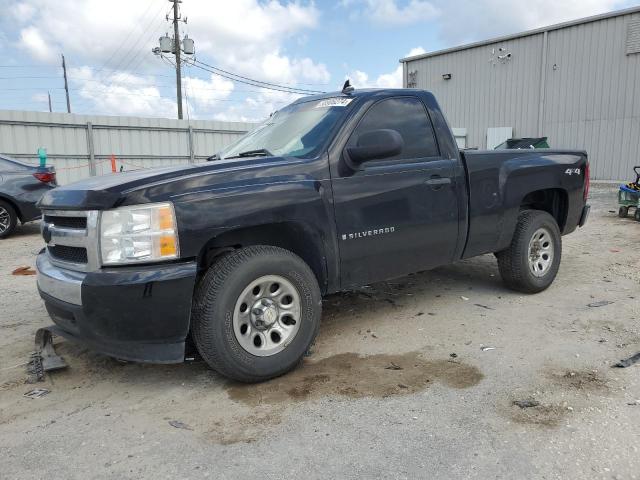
x,y
601,303
37,393
486,349
526,403
464,298
627,362
179,424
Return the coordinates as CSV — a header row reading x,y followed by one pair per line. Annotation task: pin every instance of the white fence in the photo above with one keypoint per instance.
x,y
82,145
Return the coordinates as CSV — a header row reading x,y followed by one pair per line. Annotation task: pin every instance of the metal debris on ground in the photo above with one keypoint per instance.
x,y
526,403
35,367
627,362
483,306
464,298
45,350
179,424
601,303
393,366
37,393
23,271
486,349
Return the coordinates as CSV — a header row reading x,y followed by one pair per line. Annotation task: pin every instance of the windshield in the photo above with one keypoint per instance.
x,y
298,130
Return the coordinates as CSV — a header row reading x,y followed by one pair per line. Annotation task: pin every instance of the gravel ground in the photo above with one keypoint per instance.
x,y
397,386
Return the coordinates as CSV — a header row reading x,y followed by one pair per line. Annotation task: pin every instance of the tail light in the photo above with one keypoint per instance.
x,y
46,177
587,182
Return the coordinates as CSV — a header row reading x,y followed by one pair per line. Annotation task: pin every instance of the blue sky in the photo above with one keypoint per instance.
x,y
312,45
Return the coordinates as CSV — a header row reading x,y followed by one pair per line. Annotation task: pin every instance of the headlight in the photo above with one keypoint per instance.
x,y
140,233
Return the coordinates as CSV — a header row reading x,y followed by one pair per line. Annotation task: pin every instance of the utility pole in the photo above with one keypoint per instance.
x,y
176,47
66,85
49,95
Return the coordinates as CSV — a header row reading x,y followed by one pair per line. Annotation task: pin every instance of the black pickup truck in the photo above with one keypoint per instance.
x,y
331,192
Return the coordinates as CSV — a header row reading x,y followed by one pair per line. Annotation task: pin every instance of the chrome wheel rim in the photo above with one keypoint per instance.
x,y
267,315
5,220
540,252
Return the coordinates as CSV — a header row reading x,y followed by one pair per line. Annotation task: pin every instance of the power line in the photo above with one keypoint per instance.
x,y
254,81
154,18
125,39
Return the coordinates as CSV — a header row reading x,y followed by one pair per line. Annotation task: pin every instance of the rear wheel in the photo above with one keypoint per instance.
x,y
636,215
531,262
8,219
256,312
623,212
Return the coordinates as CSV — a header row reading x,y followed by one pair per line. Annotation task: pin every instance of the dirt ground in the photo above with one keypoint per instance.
x,y
398,384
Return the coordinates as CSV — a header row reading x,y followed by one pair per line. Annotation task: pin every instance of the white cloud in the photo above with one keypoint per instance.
x,y
461,21
360,79
37,47
243,36
40,97
464,21
207,93
389,13
122,94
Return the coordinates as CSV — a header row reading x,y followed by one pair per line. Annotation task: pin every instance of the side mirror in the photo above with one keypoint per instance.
x,y
375,144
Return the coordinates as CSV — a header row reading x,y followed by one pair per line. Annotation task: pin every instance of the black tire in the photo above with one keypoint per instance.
x,y
215,300
7,212
623,212
513,262
636,215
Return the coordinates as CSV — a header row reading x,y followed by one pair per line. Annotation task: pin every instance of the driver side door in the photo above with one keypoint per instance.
x,y
395,215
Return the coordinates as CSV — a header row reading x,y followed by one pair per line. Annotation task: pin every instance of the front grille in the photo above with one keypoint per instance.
x,y
72,238
68,254
66,222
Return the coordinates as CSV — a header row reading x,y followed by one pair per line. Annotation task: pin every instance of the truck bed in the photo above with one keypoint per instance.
x,y
501,182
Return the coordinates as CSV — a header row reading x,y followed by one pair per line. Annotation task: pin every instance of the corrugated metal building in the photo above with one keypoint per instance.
x,y
577,83
82,145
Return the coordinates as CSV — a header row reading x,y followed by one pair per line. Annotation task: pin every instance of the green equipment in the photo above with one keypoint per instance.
x,y
629,197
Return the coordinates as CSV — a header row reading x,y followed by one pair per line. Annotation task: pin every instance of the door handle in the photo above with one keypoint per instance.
x,y
437,181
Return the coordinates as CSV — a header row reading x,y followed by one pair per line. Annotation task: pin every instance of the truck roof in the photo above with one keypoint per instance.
x,y
362,92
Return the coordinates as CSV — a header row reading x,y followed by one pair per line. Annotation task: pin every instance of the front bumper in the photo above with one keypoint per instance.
x,y
139,313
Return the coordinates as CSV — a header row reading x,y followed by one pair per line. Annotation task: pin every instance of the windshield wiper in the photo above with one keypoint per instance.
x,y
259,152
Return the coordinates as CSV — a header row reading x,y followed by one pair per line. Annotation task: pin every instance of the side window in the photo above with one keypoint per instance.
x,y
408,117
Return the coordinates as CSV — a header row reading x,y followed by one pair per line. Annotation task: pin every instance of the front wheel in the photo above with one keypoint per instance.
x,y
531,262
636,214
623,212
256,312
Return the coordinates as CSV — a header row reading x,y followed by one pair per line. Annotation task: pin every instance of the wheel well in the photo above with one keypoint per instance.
x,y
553,201
291,236
13,204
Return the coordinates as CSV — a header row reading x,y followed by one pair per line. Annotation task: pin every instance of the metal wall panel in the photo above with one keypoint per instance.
x,y
593,95
135,142
484,91
582,90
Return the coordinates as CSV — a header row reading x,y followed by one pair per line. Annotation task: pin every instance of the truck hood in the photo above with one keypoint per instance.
x,y
109,191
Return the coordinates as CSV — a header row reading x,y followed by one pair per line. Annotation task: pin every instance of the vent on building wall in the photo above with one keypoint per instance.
x,y
633,37
412,79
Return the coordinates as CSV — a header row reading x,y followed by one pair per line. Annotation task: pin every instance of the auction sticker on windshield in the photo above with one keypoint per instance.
x,y
333,102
